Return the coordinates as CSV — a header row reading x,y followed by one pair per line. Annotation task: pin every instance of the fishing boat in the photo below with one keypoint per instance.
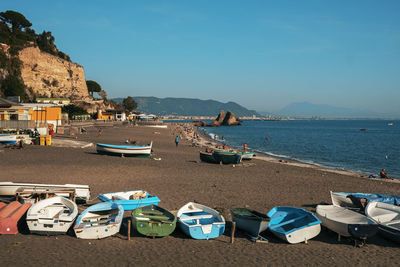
x,y
153,221
227,157
246,155
99,221
353,200
130,200
53,215
8,138
250,221
293,225
208,157
200,222
82,192
124,150
346,222
388,218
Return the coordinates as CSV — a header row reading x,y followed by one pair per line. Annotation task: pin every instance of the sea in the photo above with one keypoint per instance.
x,y
362,146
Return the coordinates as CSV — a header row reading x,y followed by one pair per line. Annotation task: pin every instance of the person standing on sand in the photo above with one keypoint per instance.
x,y
176,140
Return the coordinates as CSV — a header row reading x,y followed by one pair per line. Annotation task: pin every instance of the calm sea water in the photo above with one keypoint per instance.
x,y
338,144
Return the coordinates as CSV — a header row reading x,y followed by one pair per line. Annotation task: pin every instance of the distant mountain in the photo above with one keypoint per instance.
x,y
307,110
187,106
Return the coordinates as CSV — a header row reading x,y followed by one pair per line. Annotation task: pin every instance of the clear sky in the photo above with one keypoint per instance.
x,y
260,54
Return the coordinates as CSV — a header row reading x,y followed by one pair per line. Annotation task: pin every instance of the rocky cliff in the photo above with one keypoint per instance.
x,y
51,76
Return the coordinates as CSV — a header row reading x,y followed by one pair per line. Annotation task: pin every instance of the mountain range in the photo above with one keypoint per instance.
x,y
187,106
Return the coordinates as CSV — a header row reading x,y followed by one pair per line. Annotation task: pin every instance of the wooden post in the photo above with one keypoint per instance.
x,y
129,229
233,232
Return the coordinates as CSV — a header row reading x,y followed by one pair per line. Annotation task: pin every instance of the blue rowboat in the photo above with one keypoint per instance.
x,y
124,150
8,138
293,225
99,221
200,222
130,200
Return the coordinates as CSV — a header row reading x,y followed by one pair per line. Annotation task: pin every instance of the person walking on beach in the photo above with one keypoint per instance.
x,y
176,140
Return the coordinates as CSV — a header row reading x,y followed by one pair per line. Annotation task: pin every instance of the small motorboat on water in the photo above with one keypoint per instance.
x,y
153,221
53,215
130,200
293,225
200,222
99,221
125,150
8,138
387,216
346,222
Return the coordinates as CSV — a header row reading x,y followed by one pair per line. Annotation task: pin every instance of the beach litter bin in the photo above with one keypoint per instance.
x,y
42,140
48,140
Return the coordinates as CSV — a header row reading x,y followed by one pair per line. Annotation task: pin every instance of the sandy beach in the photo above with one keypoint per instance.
x,y
178,177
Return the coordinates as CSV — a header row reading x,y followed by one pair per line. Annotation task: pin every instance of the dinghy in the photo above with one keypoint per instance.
x,y
346,222
388,218
53,215
208,157
131,200
153,221
250,221
200,222
293,225
99,221
82,192
8,139
227,157
360,200
124,150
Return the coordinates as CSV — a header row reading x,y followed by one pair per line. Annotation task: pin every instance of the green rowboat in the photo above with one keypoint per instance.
x,y
227,157
153,221
208,157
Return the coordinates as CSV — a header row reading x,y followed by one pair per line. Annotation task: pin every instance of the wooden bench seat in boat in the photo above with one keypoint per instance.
x,y
197,217
87,219
154,217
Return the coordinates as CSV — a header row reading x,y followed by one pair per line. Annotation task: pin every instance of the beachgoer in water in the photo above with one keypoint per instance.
x,y
383,174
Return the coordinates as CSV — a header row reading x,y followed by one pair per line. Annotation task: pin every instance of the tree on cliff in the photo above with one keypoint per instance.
x,y
17,20
129,104
12,86
93,87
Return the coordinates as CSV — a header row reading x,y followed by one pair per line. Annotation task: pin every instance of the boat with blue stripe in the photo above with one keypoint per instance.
x,y
8,139
130,200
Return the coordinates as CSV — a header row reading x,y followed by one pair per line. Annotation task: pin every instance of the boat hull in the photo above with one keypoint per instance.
x,y
388,218
227,157
137,151
250,221
208,157
153,221
8,139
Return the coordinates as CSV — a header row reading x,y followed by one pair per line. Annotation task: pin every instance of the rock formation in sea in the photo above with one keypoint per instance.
x,y
225,119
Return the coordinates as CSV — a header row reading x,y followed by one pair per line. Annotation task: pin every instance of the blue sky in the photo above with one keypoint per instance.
x,y
261,54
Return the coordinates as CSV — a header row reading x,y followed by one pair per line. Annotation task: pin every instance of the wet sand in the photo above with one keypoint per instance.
x,y
180,177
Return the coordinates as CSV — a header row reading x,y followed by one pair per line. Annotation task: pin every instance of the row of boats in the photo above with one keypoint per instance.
x,y
355,215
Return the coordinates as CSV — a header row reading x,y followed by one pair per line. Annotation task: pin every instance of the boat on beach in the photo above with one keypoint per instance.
x,y
130,200
227,157
51,216
346,222
293,225
200,222
8,139
125,150
250,221
360,200
153,221
387,217
82,192
99,221
208,157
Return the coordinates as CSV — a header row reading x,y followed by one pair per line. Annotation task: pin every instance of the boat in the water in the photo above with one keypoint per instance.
x,y
346,222
153,221
82,192
99,221
200,222
293,225
130,200
250,221
227,157
360,200
208,157
53,215
124,150
8,138
388,218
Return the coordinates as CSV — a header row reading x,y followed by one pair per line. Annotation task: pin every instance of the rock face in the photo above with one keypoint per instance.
x,y
226,119
51,76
